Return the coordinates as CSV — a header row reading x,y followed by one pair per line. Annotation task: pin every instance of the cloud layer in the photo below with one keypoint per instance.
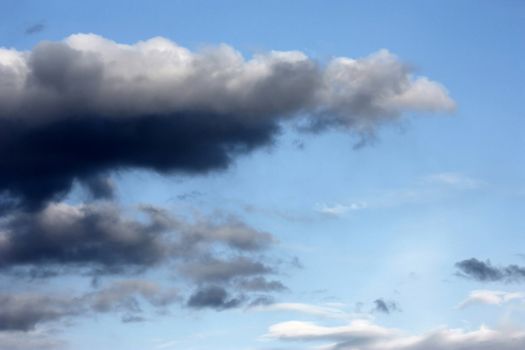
x,y
87,105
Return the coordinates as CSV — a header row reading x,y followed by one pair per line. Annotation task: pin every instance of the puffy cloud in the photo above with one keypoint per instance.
x,y
484,271
96,105
490,297
364,335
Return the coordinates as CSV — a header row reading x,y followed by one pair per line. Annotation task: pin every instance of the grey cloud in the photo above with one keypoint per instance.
x,y
261,284
214,297
484,271
96,236
101,237
214,270
100,187
23,312
20,340
99,106
385,306
123,296
35,28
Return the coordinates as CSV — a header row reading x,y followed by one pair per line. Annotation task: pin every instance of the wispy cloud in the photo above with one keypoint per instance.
x,y
366,335
490,297
326,311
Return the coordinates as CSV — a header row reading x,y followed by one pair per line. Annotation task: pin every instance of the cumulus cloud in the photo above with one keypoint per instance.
x,y
490,297
484,271
365,335
97,105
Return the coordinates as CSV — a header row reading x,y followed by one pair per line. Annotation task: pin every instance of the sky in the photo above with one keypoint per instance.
x,y
277,175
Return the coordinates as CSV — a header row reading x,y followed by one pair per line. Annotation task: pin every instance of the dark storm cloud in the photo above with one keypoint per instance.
x,y
484,271
72,110
384,306
100,187
214,297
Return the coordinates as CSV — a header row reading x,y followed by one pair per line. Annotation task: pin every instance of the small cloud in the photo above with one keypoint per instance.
x,y
484,271
385,306
35,28
338,210
456,180
332,311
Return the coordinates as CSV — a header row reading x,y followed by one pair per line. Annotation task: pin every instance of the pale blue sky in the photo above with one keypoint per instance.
x,y
431,190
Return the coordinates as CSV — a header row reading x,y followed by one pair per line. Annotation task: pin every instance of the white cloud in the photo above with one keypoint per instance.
x,y
327,311
456,180
364,335
490,297
339,209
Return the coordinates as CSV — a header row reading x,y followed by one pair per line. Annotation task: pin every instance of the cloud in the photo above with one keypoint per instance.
x,y
490,297
35,28
101,236
339,209
385,307
365,335
261,284
25,311
214,270
97,106
309,309
484,271
35,340
122,296
215,297
457,180
86,236
358,332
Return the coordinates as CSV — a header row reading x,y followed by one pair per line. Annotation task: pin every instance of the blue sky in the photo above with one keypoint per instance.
x,y
424,218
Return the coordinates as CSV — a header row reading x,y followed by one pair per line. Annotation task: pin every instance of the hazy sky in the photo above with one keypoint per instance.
x,y
242,175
